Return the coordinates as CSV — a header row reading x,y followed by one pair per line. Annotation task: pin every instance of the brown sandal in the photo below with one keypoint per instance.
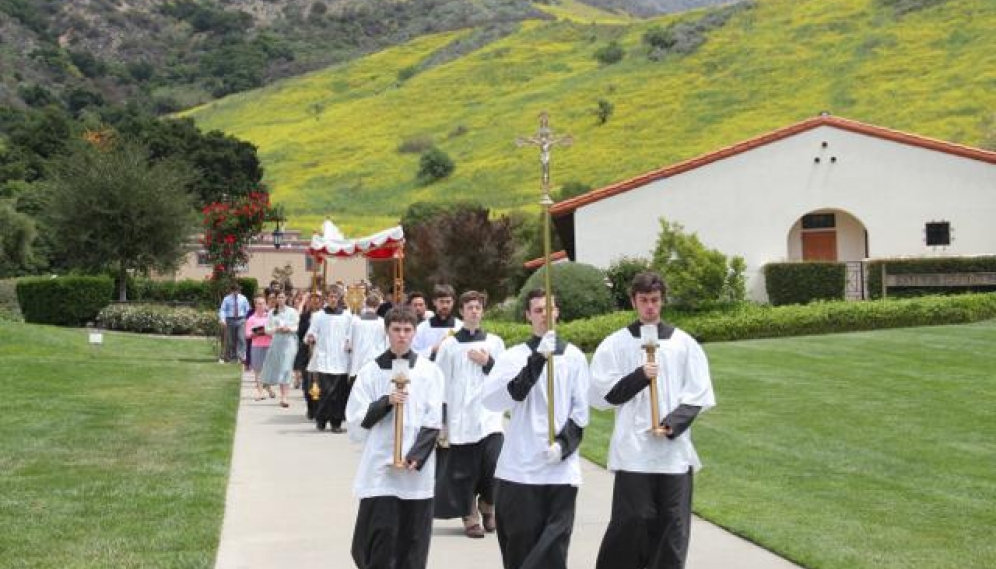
x,y
475,531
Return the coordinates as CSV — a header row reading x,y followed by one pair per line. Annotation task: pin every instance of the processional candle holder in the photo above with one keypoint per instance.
x,y
356,295
315,392
400,378
649,340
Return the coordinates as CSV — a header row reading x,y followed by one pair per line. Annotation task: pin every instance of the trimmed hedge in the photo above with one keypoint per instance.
x,y
751,321
801,283
63,301
201,293
159,319
940,265
579,289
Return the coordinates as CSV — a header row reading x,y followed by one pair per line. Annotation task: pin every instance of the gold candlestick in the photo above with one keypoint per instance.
x,y
399,373
648,335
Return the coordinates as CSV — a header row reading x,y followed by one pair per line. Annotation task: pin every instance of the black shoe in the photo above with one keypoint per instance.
x,y
320,426
311,415
337,430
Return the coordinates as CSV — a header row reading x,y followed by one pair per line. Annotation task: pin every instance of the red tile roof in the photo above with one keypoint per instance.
x,y
569,205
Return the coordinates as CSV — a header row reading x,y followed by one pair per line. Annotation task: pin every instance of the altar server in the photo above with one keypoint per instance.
x,y
465,477
537,481
652,492
433,331
329,333
394,521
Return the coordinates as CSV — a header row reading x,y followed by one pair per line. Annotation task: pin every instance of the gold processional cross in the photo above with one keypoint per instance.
x,y
546,140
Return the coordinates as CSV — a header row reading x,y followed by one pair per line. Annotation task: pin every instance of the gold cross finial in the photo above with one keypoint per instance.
x,y
545,140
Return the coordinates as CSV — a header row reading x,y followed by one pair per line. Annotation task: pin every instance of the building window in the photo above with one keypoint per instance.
x,y
938,233
819,221
202,259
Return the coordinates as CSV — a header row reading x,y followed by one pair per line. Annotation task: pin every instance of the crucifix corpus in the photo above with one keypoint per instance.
x,y
545,139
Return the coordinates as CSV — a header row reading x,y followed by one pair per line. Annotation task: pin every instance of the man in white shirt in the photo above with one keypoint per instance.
x,y
232,315
652,495
329,333
394,521
431,332
537,481
465,470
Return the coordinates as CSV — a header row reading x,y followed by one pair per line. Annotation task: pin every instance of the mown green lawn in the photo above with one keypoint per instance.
x,y
111,458
863,450
849,451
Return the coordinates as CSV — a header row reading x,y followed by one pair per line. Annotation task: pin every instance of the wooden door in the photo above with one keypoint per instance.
x,y
819,246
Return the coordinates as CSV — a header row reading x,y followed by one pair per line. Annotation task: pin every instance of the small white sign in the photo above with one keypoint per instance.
x,y
96,338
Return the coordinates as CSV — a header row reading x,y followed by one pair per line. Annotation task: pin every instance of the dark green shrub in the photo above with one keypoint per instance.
x,y
434,165
580,290
604,111
799,283
63,301
939,265
620,274
609,54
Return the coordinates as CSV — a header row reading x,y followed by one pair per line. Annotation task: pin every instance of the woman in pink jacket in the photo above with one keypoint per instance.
x,y
256,332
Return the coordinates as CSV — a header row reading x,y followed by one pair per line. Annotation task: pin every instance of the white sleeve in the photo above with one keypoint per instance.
x,y
580,381
697,386
433,417
315,319
495,395
421,344
604,374
358,403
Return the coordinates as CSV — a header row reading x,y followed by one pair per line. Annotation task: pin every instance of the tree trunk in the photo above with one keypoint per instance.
x,y
122,282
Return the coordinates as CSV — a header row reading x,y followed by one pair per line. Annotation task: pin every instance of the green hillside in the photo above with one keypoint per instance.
x,y
330,140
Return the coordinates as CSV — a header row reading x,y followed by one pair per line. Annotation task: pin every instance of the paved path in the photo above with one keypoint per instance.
x,y
290,505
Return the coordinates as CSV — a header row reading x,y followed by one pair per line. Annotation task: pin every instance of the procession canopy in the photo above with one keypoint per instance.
x,y
385,244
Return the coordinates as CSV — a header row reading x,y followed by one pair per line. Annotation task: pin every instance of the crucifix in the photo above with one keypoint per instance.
x,y
546,140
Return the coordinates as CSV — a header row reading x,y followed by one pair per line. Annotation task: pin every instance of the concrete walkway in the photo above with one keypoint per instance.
x,y
290,505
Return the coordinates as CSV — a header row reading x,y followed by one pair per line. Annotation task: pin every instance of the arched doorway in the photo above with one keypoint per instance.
x,y
832,235
827,235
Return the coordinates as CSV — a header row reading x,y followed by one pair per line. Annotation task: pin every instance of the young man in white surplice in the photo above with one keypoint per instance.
x,y
394,521
537,480
465,470
653,464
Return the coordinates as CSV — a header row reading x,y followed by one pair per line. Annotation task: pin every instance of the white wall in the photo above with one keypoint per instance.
x,y
747,204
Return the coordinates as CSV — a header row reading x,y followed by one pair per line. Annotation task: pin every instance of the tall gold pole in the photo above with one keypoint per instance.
x,y
545,139
547,285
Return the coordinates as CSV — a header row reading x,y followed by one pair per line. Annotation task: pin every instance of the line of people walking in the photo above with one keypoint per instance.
x,y
440,390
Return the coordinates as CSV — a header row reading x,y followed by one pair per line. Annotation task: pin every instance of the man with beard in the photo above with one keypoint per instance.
x,y
433,331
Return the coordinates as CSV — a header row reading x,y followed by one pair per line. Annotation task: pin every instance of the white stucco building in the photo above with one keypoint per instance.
x,y
825,188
